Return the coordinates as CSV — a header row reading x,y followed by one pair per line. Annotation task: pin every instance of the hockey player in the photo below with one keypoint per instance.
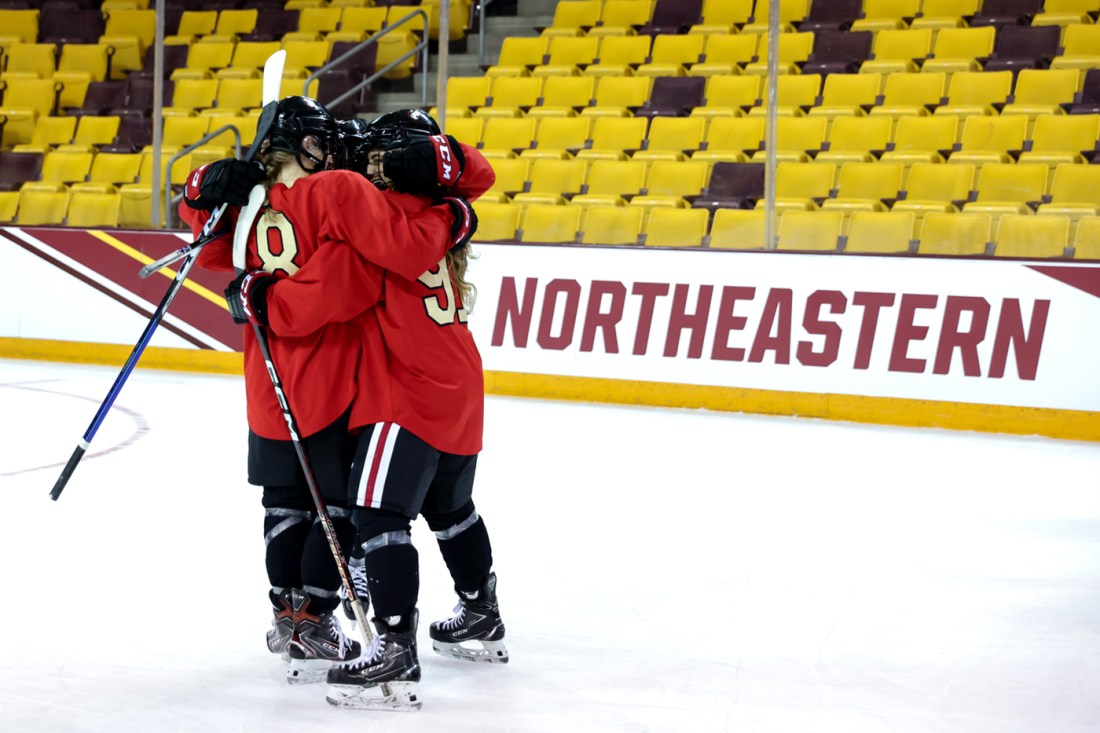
x,y
309,217
422,419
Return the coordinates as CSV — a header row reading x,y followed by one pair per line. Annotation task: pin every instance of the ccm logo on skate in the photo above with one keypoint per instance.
x,y
897,332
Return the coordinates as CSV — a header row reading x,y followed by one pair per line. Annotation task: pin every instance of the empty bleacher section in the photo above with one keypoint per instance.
x,y
966,127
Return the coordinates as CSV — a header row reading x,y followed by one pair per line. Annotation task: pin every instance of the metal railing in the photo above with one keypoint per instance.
x,y
481,30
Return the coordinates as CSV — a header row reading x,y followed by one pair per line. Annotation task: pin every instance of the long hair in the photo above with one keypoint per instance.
x,y
273,162
457,260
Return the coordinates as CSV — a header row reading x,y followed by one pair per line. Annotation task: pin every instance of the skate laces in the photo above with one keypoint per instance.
x,y
358,573
455,621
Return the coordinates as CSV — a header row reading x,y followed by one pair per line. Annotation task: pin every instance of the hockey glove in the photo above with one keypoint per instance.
x,y
424,163
225,181
247,296
465,220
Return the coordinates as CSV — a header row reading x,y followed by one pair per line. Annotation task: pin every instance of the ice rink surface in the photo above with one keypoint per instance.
x,y
660,570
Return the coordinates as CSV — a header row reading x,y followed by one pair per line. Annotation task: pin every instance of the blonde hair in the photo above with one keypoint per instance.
x,y
457,261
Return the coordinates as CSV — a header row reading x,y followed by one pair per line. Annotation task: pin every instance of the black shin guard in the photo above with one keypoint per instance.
x,y
464,542
320,577
392,562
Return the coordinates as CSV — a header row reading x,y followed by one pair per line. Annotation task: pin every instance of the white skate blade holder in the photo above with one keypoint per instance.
x,y
490,652
403,697
307,671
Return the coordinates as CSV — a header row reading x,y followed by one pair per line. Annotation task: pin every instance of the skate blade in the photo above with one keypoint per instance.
x,y
307,671
491,652
403,697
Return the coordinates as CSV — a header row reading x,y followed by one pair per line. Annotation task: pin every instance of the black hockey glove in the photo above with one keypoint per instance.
x,y
225,181
247,296
465,220
424,163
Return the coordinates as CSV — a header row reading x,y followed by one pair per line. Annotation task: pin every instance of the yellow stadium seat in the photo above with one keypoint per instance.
x,y
1043,91
1080,48
621,18
732,139
563,96
572,17
720,16
726,53
251,55
882,232
140,24
620,55
988,139
975,92
611,136
43,203
879,15
1086,240
809,230
1031,236
1074,192
115,168
511,175
670,181
955,234
519,55
238,22
610,180
466,129
245,125
793,92
192,94
459,17
239,94
25,100
557,135
180,168
790,11
9,206
208,154
308,56
617,96
182,131
896,50
566,55
959,49
1065,12
92,208
66,167
612,225
468,92
853,139
847,94
866,187
1008,188
676,227
18,26
497,222
511,96
728,95
53,131
197,22
135,206
738,229
907,94
672,54
550,224
796,138
932,187
31,61
1062,139
508,133
794,49
672,138
549,179
798,184
923,139
368,20
204,58
319,20
939,14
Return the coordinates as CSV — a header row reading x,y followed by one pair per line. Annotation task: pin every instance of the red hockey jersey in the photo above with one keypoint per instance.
x,y
303,236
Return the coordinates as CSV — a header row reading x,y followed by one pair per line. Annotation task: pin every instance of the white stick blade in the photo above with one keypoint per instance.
x,y
273,76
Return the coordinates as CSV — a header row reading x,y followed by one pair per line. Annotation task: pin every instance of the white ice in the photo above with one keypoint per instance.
x,y
660,570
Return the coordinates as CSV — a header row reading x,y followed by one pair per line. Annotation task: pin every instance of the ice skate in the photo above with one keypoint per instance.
x,y
282,625
387,677
475,633
357,569
318,644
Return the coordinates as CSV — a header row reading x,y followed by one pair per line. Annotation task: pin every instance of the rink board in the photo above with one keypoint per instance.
x,y
983,344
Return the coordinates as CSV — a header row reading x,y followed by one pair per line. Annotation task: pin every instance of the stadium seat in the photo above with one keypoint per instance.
x,y
236,22
612,225
1081,48
559,135
796,138
550,179
1024,47
880,232
847,94
611,136
673,96
668,182
975,92
738,229
910,94
115,168
831,16
30,61
1042,92
726,53
320,20
1086,240
838,52
567,55
731,185
794,50
866,187
62,166
1005,14
308,56
193,94
793,93
672,54
1074,192
620,55
91,207
135,206
879,15
954,234
790,11
511,175
618,96
43,203
182,131
1031,236
853,139
52,131
676,16
621,18
797,185
940,14
365,20
809,230
1008,188
932,187
197,22
17,167
511,96
466,129
248,58
563,96
923,140
497,222
959,49
675,227
508,134
728,96
550,224
732,139
572,17
467,92
609,181
897,50
672,138
989,139
518,55
1065,12
1062,139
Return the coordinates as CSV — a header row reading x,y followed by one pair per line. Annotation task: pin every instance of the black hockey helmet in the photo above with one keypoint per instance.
x,y
393,128
297,118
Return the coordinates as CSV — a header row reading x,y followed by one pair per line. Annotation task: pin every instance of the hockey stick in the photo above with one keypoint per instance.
x,y
267,119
